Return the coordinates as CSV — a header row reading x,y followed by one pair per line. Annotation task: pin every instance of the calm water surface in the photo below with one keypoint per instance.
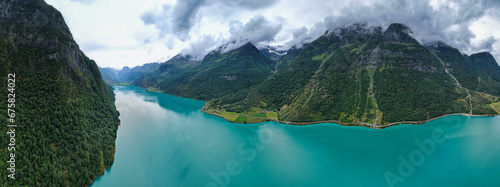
x,y
165,140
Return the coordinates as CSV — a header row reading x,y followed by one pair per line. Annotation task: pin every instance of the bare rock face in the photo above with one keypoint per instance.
x,y
35,24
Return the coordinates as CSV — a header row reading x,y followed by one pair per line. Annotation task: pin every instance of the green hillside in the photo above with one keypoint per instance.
x,y
478,72
225,77
361,75
65,114
358,75
166,71
130,75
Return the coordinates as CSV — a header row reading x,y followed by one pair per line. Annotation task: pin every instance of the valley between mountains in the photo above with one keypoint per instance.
x,y
354,75
61,115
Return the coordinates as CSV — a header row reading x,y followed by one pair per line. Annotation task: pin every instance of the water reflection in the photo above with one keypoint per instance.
x,y
165,140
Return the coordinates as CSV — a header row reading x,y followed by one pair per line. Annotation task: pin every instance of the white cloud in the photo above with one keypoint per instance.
x,y
116,33
112,33
487,31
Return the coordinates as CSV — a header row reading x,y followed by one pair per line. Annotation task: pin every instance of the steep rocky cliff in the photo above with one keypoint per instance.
x,y
65,114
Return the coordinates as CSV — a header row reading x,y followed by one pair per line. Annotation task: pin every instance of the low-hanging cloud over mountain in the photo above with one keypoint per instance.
x,y
196,27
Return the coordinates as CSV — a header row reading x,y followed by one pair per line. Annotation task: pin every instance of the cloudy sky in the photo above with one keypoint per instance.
x,y
117,33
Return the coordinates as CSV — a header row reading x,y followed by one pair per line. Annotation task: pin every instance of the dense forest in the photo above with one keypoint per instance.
x,y
227,77
348,75
65,114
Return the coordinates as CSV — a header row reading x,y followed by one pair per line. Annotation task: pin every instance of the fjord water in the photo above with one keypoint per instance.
x,y
165,140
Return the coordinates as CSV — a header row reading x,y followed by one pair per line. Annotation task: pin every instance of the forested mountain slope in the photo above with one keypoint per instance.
x,y
166,71
363,75
351,75
65,114
225,77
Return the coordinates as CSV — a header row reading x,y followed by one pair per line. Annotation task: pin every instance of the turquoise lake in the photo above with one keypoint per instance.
x,y
164,140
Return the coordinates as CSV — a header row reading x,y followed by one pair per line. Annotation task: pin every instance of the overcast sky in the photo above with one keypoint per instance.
x,y
117,33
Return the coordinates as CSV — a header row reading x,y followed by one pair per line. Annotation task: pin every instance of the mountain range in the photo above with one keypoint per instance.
x,y
66,120
126,74
353,75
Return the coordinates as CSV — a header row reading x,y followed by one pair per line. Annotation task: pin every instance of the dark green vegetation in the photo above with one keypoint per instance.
x,y
65,113
227,78
478,72
166,71
352,75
